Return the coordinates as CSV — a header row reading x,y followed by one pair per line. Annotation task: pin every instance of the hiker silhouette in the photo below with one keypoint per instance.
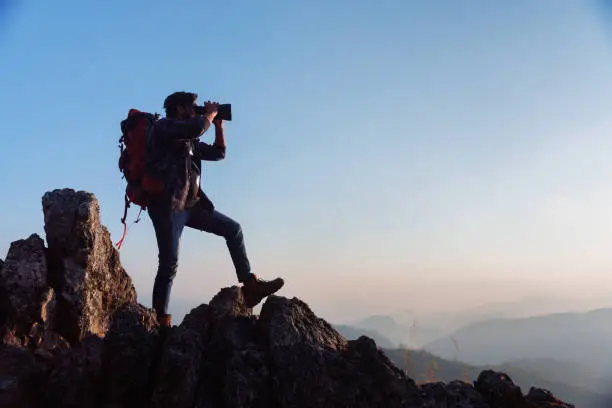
x,y
161,160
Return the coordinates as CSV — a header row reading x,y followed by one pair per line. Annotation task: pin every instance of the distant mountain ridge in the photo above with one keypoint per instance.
x,y
353,333
577,338
561,371
415,330
426,367
566,352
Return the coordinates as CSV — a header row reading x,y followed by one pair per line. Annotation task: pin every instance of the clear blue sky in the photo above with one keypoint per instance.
x,y
382,154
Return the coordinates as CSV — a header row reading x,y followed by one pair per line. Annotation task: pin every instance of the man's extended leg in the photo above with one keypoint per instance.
x,y
219,224
214,222
168,225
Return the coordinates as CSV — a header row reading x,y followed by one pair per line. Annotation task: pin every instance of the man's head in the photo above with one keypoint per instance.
x,y
179,105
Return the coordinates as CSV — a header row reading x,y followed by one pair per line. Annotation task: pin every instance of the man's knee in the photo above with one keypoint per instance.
x,y
167,268
227,227
234,230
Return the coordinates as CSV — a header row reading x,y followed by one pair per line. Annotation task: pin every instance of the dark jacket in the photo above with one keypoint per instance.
x,y
176,155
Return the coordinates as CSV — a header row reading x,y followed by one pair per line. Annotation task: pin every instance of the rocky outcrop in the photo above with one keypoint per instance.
x,y
499,391
26,298
309,360
129,352
74,378
20,377
181,361
85,270
74,336
539,398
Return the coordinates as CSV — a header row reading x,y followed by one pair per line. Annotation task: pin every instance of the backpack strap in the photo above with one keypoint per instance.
x,y
127,205
125,209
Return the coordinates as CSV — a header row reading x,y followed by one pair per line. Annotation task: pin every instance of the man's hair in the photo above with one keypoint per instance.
x,y
176,99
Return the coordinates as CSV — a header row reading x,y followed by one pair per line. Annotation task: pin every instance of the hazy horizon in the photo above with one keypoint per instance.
x,y
343,310
435,156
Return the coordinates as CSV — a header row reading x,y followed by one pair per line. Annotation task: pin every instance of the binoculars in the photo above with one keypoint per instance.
x,y
224,111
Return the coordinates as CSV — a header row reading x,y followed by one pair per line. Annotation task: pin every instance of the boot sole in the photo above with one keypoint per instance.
x,y
250,304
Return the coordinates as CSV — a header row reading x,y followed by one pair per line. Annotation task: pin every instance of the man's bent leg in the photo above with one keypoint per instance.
x,y
213,221
219,224
168,225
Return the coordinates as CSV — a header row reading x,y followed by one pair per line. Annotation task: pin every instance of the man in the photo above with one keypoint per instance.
x,y
176,158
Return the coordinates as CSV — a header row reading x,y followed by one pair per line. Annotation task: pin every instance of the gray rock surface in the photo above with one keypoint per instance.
x,y
25,296
84,267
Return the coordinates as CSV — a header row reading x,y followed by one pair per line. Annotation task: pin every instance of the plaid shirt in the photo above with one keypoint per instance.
x,y
176,155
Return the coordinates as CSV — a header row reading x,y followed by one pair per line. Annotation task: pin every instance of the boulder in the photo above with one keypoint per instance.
x,y
498,390
229,303
232,372
311,364
129,356
25,296
84,267
20,378
539,398
289,322
456,394
180,365
74,377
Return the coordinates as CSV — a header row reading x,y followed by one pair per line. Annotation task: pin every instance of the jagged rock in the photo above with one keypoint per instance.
x,y
88,343
129,356
74,379
233,348
46,343
287,323
26,298
48,311
20,378
456,394
10,339
313,365
246,383
371,379
539,398
181,361
498,390
228,303
84,267
199,320
237,364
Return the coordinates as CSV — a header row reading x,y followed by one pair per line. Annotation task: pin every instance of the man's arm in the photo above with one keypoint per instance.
x,y
190,128
184,129
217,150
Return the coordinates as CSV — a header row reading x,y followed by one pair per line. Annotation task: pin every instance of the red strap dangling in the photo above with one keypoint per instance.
x,y
127,204
120,242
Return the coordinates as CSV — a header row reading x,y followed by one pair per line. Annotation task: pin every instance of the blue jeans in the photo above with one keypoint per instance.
x,y
169,224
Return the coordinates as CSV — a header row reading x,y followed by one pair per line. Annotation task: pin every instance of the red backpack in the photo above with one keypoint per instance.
x,y
141,187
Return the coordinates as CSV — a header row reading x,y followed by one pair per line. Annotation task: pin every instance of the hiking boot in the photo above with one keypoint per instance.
x,y
255,289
